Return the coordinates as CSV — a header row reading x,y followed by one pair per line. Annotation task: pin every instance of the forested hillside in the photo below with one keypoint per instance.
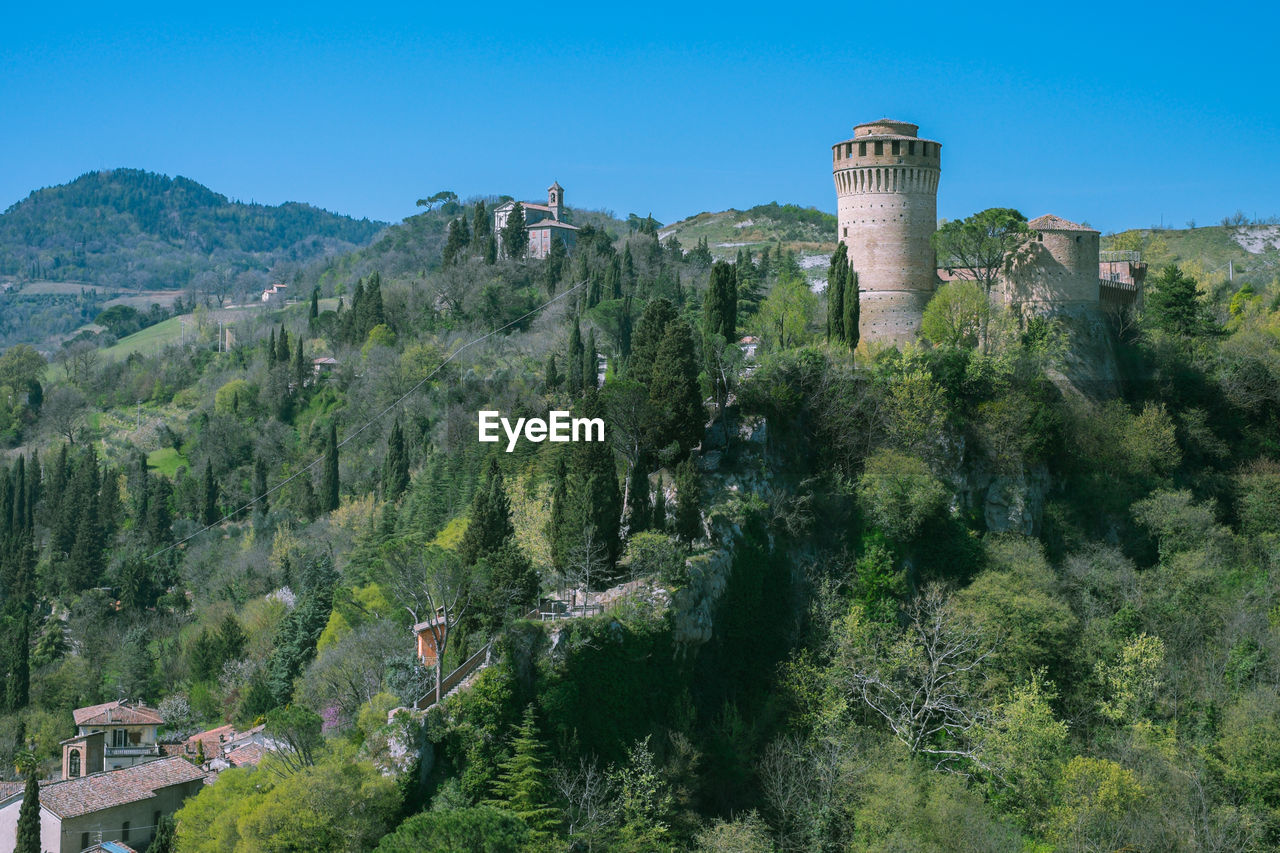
x,y
814,597
131,229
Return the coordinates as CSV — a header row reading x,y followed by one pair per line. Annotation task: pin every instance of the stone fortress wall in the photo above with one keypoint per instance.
x,y
886,180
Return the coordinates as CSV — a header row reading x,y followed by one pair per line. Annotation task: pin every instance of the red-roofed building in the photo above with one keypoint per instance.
x,y
113,806
130,735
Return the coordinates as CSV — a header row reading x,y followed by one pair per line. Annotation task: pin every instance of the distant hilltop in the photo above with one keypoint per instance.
x,y
129,228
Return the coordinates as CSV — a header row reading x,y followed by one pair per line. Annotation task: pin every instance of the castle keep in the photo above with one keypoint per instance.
x,y
887,189
886,180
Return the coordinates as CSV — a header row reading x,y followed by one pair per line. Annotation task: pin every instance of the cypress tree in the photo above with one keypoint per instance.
x,y
329,486
522,786
490,526
639,512
491,251
558,526
314,312
263,504
552,375
576,379
660,507
17,649
481,228
646,339
282,347
852,310
373,313
209,513
514,240
271,349
837,272
159,518
688,520
595,499
590,363
28,835
395,474
300,371
553,269
720,306
628,278
453,244
676,412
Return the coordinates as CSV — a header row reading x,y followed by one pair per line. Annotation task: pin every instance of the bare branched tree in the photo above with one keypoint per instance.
x,y
925,682
591,806
435,588
585,562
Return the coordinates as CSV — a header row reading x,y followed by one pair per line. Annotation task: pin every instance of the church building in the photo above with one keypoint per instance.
x,y
542,222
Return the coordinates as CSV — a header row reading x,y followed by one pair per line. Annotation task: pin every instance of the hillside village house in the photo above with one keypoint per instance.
x,y
225,747
129,738
542,222
111,806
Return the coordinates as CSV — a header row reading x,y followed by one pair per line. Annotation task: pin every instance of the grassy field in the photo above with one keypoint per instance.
x,y
150,340
167,461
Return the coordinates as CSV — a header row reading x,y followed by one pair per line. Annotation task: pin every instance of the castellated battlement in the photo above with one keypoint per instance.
x,y
886,181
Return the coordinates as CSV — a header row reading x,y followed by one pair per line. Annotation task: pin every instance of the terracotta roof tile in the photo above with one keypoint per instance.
x,y
99,791
1049,222
249,754
117,713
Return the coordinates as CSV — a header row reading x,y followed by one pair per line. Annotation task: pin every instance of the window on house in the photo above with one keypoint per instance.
x,y
879,147
84,840
73,764
862,149
119,738
124,831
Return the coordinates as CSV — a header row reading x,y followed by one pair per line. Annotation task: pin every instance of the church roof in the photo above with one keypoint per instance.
x,y
1049,222
551,223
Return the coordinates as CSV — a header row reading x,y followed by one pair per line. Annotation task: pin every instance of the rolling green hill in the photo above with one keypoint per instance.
x,y
804,230
137,229
1211,254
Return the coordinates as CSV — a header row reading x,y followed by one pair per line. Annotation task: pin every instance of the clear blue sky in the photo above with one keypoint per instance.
x,y
1116,115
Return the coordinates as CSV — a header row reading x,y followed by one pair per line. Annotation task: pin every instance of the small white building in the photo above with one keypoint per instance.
x,y
275,293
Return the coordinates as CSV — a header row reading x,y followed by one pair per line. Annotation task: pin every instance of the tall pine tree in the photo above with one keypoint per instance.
x,y
395,470
490,526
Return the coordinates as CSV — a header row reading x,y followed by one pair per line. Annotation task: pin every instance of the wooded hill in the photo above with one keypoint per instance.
x,y
137,229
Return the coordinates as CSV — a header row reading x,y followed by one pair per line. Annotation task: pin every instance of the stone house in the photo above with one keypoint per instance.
x,y
122,806
130,736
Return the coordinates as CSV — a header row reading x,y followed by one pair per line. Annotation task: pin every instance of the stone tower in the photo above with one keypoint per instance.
x,y
1058,267
555,200
887,190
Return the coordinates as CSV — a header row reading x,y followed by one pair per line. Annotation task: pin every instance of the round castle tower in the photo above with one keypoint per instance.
x,y
887,190
1058,267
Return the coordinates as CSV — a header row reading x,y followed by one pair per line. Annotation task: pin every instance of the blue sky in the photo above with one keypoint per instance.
x,y
1119,115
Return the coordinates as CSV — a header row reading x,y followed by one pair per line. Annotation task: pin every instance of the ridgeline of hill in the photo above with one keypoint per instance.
x,y
128,228
804,230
